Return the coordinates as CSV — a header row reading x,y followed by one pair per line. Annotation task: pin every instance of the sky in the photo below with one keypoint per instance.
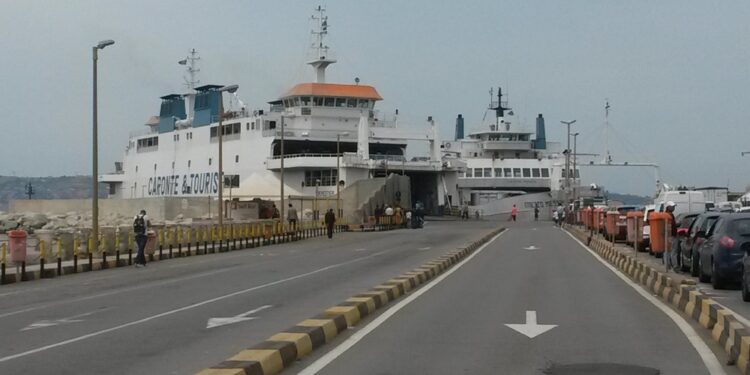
x,y
676,73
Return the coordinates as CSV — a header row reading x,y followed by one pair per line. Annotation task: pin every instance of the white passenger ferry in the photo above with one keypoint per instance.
x,y
506,164
332,135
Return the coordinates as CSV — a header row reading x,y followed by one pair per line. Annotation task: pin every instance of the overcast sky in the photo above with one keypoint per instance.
x,y
677,73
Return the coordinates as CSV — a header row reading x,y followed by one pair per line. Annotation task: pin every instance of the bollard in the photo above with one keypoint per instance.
x,y
117,247
59,258
178,234
75,255
130,248
41,259
90,247
2,263
161,244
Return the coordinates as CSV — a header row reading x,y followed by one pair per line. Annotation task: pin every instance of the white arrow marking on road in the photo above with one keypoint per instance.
x,y
531,329
218,322
532,247
61,321
424,248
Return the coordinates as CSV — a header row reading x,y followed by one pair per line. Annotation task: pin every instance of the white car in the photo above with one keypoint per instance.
x,y
646,228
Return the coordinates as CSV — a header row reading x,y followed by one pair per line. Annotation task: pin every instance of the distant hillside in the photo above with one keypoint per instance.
x,y
630,199
64,187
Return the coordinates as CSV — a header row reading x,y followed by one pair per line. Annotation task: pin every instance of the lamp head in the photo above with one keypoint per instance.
x,y
105,43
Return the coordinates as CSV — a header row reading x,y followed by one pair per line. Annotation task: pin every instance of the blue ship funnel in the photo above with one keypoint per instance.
x,y
541,139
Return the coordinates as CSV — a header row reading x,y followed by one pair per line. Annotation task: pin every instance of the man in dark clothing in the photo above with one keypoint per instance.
x,y
292,217
330,219
536,213
275,214
140,228
378,214
669,260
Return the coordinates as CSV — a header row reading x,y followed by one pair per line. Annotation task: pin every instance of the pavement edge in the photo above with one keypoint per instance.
x,y
284,348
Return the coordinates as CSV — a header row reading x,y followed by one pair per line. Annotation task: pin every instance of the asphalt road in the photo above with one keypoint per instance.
x,y
155,320
602,324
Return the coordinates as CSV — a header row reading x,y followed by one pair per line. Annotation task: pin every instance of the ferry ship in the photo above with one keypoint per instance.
x,y
507,164
314,137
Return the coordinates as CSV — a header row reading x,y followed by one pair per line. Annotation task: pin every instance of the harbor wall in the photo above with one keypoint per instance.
x,y
157,208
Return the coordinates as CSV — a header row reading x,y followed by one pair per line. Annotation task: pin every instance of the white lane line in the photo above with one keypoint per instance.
x,y
331,356
185,308
56,322
709,359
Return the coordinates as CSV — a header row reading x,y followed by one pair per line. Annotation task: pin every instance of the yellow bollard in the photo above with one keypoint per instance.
x,y
59,249
189,232
75,246
90,245
43,254
178,232
161,237
4,249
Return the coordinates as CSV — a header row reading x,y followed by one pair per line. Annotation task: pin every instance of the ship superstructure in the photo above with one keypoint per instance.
x,y
332,134
503,159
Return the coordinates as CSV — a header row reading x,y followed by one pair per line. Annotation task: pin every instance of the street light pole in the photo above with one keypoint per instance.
x,y
95,147
338,171
220,131
281,211
567,162
575,171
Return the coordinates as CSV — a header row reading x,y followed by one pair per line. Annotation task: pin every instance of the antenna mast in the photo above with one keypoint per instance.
x,y
191,61
321,60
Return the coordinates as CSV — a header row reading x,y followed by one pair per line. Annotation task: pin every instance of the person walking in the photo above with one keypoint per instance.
x,y
140,228
275,214
513,212
330,220
536,213
378,214
465,212
292,217
671,250
560,215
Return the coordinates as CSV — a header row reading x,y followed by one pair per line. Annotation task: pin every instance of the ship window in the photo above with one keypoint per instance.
x,y
527,172
498,172
305,101
363,103
296,102
578,174
236,158
172,165
351,103
317,101
468,172
563,173
209,161
478,172
516,172
507,173
188,163
330,102
320,177
535,172
306,111
488,172
545,172
340,102
247,126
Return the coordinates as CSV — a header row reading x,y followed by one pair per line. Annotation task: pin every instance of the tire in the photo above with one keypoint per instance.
x,y
745,290
702,277
694,266
716,281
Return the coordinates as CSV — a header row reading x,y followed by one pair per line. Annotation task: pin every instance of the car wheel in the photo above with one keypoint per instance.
x,y
702,275
745,290
716,281
694,266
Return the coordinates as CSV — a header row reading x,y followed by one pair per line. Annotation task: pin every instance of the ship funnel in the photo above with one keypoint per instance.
x,y
459,127
541,138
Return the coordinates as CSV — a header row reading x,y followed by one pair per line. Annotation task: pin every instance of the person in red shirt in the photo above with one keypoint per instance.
x,y
513,213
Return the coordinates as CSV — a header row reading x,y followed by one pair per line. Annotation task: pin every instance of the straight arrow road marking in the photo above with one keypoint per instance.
x,y
218,322
531,329
61,321
532,247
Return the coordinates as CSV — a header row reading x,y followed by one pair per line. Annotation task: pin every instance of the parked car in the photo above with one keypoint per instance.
x,y
683,222
722,253
691,242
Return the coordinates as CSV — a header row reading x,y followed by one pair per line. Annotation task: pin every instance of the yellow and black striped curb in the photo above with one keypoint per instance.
x,y
725,329
282,349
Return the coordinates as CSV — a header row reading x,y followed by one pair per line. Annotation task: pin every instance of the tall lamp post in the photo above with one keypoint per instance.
x,y
338,171
575,171
220,131
95,151
567,162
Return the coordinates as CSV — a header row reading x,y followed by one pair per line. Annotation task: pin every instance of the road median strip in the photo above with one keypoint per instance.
x,y
725,329
284,348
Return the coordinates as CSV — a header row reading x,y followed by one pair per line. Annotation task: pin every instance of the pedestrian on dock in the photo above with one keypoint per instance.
x,y
378,214
330,220
292,217
536,213
275,214
672,249
140,228
513,213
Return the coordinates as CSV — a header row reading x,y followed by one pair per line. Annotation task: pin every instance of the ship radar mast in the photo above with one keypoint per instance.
x,y
322,60
191,82
191,62
500,107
